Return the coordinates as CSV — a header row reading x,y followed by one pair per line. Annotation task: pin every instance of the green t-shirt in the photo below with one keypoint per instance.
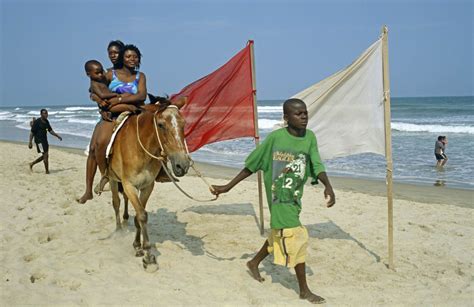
x,y
287,161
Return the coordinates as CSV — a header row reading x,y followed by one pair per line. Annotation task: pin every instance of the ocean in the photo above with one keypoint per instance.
x,y
416,123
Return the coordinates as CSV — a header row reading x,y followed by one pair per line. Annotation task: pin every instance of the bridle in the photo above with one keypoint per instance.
x,y
162,157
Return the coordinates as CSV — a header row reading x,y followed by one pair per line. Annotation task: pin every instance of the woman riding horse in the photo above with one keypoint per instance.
x,y
125,80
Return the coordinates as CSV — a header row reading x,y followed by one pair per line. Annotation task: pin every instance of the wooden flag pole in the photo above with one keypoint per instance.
x,y
257,135
388,142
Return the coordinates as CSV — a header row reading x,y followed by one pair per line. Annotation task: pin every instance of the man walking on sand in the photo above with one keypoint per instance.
x,y
39,130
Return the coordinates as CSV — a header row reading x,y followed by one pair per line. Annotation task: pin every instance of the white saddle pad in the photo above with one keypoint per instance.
x,y
112,139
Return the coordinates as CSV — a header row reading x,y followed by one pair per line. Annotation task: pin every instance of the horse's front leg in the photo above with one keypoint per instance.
x,y
137,245
141,218
149,261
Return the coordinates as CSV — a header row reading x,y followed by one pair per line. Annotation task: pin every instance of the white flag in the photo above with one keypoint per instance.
x,y
346,110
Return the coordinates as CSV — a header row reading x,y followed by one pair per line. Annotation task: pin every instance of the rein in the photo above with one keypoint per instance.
x,y
162,159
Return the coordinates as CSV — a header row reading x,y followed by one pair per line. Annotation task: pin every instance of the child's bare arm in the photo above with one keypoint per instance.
x,y
219,189
102,90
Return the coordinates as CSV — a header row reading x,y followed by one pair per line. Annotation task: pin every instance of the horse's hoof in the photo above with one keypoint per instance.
x,y
139,253
149,264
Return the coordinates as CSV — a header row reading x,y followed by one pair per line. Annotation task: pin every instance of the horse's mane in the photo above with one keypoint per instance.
x,y
157,102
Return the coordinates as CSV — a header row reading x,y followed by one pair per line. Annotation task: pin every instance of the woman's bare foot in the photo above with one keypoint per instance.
x,y
254,271
312,298
84,198
99,188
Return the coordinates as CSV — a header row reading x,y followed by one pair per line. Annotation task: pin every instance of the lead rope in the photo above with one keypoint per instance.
x,y
163,164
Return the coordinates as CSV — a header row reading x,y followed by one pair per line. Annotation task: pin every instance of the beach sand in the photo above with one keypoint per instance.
x,y
57,252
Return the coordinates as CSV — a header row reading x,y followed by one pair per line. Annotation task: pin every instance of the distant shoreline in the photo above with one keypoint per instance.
x,y
420,193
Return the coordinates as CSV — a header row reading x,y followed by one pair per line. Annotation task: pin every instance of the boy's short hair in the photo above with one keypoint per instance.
x,y
43,110
289,102
90,63
441,137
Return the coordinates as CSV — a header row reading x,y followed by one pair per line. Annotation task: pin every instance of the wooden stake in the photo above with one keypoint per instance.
x,y
388,142
257,135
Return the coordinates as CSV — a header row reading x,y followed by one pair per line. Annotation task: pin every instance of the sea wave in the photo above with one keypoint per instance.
x,y
82,121
80,108
60,130
37,113
432,128
267,124
267,109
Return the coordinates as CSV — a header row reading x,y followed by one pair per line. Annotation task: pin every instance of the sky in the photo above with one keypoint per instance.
x,y
44,43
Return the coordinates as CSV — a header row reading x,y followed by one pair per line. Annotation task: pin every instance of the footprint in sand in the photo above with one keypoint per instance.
x,y
69,212
45,238
65,205
89,271
35,277
51,224
67,284
30,257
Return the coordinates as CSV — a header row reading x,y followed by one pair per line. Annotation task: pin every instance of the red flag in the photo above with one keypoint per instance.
x,y
220,105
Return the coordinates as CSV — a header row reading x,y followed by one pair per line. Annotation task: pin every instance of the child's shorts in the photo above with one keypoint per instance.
x,y
288,245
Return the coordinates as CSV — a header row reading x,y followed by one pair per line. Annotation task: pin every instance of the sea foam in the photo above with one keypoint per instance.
x,y
432,128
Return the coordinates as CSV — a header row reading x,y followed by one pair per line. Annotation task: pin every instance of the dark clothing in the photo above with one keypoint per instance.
x,y
39,129
440,156
439,147
42,147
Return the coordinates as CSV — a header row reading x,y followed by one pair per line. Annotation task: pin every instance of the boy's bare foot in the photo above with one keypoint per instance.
x,y
312,298
254,272
84,198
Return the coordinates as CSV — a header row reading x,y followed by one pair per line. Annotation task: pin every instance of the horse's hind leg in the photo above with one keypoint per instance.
x,y
116,202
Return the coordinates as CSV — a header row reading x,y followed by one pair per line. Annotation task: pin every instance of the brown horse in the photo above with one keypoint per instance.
x,y
144,142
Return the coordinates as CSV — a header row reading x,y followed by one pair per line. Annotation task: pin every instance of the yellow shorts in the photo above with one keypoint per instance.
x,y
288,245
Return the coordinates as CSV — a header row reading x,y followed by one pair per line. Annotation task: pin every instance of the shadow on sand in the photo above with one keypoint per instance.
x,y
243,209
163,225
330,230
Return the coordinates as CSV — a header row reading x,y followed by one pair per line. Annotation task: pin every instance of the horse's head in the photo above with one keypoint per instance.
x,y
170,125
